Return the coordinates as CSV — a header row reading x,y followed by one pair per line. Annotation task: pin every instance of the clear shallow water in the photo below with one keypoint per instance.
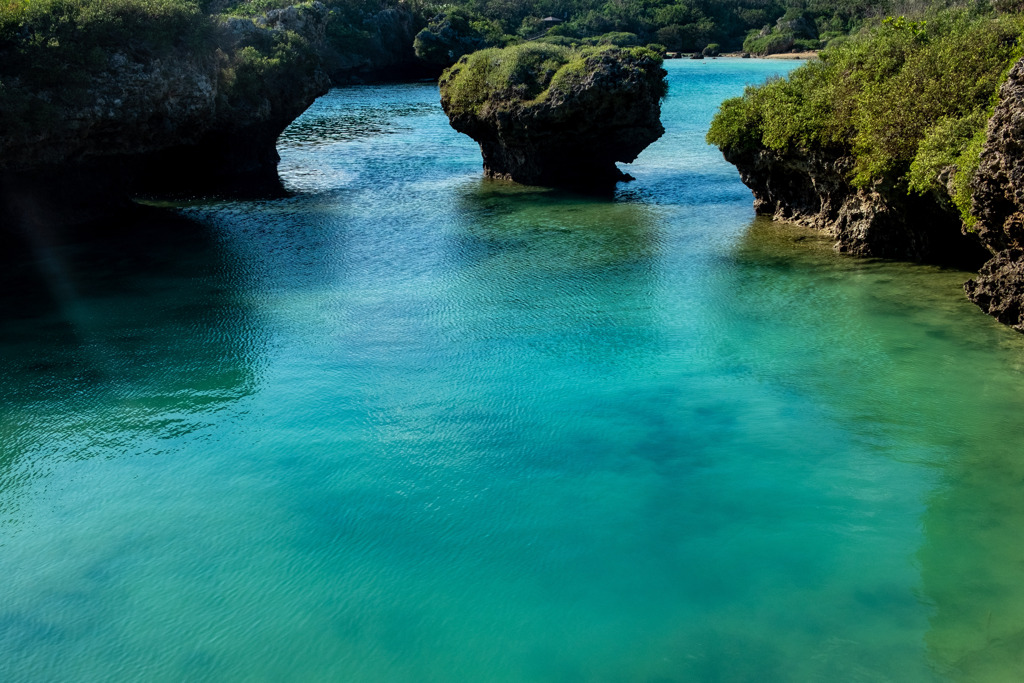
x,y
409,425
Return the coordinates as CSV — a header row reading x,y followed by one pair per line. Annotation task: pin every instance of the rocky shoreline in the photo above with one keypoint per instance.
x,y
812,187
206,122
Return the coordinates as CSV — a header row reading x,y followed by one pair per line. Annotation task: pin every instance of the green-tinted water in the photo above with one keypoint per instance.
x,y
413,426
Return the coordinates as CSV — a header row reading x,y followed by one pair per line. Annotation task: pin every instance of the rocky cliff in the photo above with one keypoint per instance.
x,y
812,187
182,117
548,115
998,205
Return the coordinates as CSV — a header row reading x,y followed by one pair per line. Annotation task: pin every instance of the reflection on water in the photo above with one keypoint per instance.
x,y
117,335
411,425
545,264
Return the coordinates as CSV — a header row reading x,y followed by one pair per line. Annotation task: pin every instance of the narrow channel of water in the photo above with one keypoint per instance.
x,y
411,425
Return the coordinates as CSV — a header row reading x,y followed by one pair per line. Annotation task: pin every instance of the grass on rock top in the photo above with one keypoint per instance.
x,y
529,73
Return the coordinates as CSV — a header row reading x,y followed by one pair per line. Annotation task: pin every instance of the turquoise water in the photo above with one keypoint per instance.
x,y
411,425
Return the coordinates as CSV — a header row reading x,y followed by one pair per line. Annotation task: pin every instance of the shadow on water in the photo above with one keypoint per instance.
x,y
126,330
624,231
574,271
942,394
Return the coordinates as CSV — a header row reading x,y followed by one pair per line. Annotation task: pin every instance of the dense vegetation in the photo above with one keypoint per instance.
x,y
679,25
48,42
908,100
527,74
51,49
55,45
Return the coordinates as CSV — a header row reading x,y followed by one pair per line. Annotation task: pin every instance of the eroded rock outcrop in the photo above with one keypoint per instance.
x,y
998,205
548,115
181,117
813,188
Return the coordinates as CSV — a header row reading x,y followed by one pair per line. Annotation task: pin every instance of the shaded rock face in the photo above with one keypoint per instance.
x,y
812,188
236,151
998,185
998,204
571,138
179,120
999,288
131,107
385,51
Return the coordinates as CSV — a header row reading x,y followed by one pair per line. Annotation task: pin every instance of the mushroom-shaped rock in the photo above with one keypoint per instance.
x,y
549,115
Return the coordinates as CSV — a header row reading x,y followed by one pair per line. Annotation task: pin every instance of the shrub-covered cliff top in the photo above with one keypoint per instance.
x,y
907,99
530,74
81,78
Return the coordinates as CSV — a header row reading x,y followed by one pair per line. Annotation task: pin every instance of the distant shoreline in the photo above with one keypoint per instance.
x,y
781,55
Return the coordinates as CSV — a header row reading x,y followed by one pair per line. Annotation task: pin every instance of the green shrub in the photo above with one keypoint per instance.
x,y
771,44
519,72
570,75
275,66
71,28
619,39
447,37
906,99
564,41
253,8
527,73
952,145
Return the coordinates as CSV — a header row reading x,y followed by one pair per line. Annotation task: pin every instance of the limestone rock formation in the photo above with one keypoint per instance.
x,y
812,188
177,117
998,204
999,288
548,115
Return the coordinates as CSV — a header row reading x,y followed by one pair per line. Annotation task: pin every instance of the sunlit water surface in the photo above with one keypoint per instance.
x,y
411,425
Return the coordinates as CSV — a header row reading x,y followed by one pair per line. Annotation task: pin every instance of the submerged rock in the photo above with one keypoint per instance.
x,y
548,115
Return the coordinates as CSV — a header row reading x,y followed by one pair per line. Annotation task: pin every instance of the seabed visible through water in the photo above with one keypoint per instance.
x,y
411,425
